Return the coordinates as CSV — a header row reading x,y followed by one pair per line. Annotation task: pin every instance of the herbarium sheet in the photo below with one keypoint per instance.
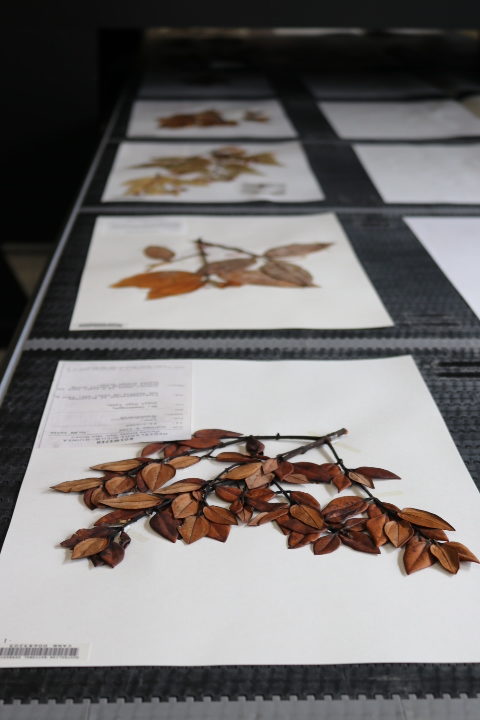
x,y
211,173
177,119
233,272
251,600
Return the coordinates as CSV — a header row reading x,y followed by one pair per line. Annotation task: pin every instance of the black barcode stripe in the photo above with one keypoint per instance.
x,y
44,651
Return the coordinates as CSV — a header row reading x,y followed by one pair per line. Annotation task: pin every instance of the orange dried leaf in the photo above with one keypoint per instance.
x,y
447,556
398,532
424,519
375,526
164,283
464,554
357,477
417,556
184,505
157,252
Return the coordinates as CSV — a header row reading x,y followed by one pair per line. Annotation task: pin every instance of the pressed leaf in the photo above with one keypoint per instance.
x,y
77,485
152,448
85,533
296,249
164,283
464,553
417,556
317,473
374,511
229,265
253,277
243,512
98,496
155,475
181,486
199,443
375,526
295,479
119,466
219,532
298,540
433,534
326,544
119,484
340,508
228,493
243,471
87,499
355,523
270,465
113,554
183,462
288,272
424,519
447,556
265,517
165,524
309,515
341,481
376,473
90,546
291,524
219,515
254,446
361,479
157,252
193,529
216,433
137,501
141,484
184,505
398,532
124,540
260,493
258,480
118,517
232,457
284,468
359,541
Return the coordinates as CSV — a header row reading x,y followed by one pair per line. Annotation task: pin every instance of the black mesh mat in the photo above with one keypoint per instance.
x,y
454,381
419,298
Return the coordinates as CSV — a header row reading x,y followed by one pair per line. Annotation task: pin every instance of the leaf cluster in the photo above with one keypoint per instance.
x,y
207,118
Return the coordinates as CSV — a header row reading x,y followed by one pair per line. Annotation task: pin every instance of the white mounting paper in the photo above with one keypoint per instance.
x,y
290,181
367,84
144,120
100,403
344,298
211,83
454,244
214,604
424,173
409,120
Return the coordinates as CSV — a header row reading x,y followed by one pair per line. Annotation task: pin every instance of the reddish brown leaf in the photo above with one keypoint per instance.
x,y
355,523
137,501
98,496
254,446
376,473
77,485
183,462
398,532
199,443
291,524
265,517
193,529
243,471
172,450
357,477
270,465
87,499
85,533
341,481
288,272
258,480
226,266
152,448
181,486
184,505
359,541
309,515
433,534
295,479
447,556
298,540
326,544
324,473
164,283
124,540
464,554
340,508
374,511
113,554
295,249
218,532
119,484
219,515
88,547
157,252
119,466
232,457
118,517
417,556
424,519
260,494
375,527
228,493
284,468
165,524
216,433
243,512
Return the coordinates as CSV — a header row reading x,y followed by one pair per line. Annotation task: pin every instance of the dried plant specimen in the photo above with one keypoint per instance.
x,y
254,488
248,268
222,165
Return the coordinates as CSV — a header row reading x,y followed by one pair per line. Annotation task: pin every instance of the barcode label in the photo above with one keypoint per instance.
x,y
39,652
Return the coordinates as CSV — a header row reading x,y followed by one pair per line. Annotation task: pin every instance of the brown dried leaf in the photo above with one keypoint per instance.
x,y
323,473
288,272
87,499
113,554
254,446
232,457
219,515
326,544
464,554
226,266
298,540
375,526
359,541
88,547
85,533
173,450
243,471
424,519
182,486
357,523
119,484
361,479
265,517
258,480
137,501
193,529
433,534
295,479
447,556
296,249
417,556
290,524
157,252
165,524
98,495
216,433
199,443
164,283
398,532
243,512
253,277
340,508
265,158
77,485
119,466
228,493
118,517
184,505
124,540
183,462
270,465
341,481
304,499
152,448
377,473
309,515
156,474
218,532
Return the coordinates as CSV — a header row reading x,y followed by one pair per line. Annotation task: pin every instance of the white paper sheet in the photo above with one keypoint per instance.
x,y
423,173
146,114
365,85
250,592
409,120
454,244
217,82
290,181
344,297
100,403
